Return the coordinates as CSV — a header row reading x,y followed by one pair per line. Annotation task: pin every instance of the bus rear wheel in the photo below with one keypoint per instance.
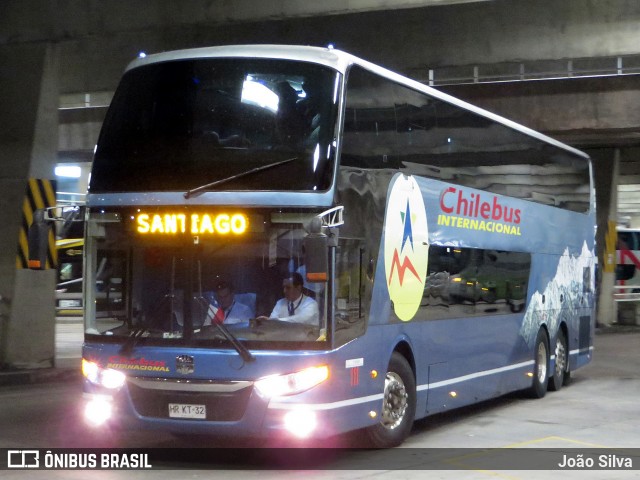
x,y
539,382
398,405
560,375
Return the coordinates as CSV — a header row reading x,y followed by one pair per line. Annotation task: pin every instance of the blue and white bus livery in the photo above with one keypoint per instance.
x,y
450,251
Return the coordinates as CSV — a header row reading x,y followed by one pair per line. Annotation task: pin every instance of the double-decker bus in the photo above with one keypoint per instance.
x,y
448,253
627,264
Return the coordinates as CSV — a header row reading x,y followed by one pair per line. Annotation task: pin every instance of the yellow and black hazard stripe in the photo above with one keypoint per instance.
x,y
610,244
40,194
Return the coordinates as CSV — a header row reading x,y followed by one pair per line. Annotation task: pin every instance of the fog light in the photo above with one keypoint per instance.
x,y
97,411
301,423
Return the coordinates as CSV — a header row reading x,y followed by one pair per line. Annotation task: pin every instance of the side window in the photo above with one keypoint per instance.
x,y
465,281
418,132
369,138
353,291
625,241
390,125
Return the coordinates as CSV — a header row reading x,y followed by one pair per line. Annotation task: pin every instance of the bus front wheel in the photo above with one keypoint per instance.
x,y
541,365
398,405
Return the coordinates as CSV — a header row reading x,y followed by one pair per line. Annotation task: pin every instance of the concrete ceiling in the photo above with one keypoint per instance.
x,y
91,33
31,20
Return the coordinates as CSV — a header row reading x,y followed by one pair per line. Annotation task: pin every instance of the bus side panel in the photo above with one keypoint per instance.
x,y
478,357
473,359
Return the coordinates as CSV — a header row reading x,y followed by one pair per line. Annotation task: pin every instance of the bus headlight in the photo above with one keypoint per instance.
x,y
280,385
105,377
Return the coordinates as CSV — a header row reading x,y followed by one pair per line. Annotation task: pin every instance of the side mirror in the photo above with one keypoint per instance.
x,y
70,221
38,241
316,256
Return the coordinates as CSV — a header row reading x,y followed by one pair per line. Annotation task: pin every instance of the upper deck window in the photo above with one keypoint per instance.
x,y
176,125
391,126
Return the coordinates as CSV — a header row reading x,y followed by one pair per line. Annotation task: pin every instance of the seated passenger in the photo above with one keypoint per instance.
x,y
227,310
295,306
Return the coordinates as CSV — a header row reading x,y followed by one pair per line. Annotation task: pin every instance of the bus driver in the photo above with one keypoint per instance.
x,y
226,309
295,306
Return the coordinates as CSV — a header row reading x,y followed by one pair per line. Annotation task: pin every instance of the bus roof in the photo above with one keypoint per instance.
x,y
340,61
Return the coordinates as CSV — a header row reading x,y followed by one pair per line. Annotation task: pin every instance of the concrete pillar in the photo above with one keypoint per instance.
x,y
28,143
606,173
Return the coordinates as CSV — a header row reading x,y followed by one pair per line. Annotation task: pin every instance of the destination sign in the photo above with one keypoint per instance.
x,y
193,223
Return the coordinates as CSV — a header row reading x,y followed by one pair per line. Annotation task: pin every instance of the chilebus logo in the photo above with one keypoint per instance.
x,y
406,248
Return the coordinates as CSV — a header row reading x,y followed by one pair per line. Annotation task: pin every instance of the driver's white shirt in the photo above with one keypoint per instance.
x,y
306,310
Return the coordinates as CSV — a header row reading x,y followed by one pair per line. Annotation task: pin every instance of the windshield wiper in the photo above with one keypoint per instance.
x,y
193,191
134,336
240,348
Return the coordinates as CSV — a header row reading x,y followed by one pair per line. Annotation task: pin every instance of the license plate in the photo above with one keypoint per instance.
x,y
182,410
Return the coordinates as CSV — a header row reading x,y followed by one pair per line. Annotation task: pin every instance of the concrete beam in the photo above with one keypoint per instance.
x,y
98,38
580,111
42,20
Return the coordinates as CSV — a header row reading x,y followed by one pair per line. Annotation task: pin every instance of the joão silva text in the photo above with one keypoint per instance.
x,y
603,461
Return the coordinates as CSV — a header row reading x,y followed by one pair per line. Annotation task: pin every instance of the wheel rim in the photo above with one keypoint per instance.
x,y
561,358
542,363
394,403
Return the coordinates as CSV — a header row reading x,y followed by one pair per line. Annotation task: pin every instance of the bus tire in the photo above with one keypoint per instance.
x,y
540,379
561,369
398,405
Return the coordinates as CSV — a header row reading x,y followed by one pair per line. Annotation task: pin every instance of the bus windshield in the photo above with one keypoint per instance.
x,y
182,124
234,271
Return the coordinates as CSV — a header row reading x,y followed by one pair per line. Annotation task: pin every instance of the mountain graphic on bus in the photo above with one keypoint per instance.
x,y
406,262
401,267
